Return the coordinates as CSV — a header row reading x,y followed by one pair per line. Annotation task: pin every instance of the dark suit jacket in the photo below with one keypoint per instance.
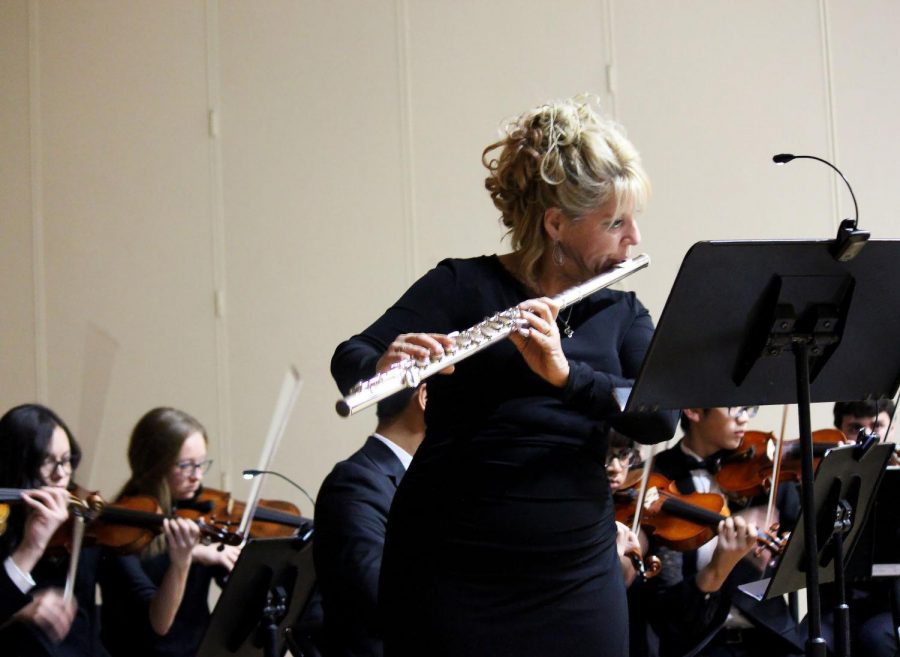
x,y
351,520
11,598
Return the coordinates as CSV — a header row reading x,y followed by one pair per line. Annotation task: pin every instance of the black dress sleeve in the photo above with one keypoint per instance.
x,y
421,309
591,391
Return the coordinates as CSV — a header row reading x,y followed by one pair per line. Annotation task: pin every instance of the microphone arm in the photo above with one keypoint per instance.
x,y
250,474
849,241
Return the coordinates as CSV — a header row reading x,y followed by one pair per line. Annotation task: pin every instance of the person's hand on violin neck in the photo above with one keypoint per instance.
x,y
181,537
49,612
736,538
223,556
48,509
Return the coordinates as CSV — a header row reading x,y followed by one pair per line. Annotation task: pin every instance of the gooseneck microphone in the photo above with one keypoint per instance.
x,y
849,241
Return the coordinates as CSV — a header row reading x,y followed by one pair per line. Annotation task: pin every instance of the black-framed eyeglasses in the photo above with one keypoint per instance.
x,y
737,411
626,456
187,468
50,464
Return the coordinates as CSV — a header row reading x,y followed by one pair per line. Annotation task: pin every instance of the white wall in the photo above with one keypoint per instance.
x,y
346,162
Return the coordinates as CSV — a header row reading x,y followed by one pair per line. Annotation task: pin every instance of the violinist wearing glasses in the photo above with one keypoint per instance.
x,y
719,566
38,452
168,458
682,606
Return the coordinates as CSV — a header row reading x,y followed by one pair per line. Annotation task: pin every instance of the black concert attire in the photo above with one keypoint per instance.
x,y
351,521
83,639
684,617
128,584
12,598
501,539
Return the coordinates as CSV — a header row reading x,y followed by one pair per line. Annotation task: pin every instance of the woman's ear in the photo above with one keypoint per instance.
x,y
553,221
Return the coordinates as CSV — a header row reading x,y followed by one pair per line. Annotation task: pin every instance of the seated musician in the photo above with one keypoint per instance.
x,y
167,455
872,630
870,417
749,627
27,530
38,450
351,521
681,606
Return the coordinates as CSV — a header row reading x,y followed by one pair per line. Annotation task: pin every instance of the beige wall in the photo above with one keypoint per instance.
x,y
344,162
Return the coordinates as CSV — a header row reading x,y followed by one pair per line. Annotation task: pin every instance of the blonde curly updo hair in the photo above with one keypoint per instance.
x,y
566,155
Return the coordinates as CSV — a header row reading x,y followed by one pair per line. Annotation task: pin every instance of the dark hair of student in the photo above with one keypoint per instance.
x,y
870,408
25,433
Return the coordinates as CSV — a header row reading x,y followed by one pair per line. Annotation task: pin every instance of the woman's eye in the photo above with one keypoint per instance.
x,y
614,224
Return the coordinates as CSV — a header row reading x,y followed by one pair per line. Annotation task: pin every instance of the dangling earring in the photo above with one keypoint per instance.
x,y
557,254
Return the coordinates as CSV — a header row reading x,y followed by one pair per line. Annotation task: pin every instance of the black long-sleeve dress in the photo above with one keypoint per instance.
x,y
501,538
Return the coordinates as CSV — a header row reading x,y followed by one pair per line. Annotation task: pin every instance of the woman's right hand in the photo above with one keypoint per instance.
x,y
49,611
418,346
48,510
224,556
181,537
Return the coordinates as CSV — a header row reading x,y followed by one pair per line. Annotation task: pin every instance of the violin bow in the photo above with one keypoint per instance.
x,y
770,528
290,389
642,491
78,509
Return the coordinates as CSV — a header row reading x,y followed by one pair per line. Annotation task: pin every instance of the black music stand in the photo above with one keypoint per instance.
x,y
877,551
845,486
778,322
267,592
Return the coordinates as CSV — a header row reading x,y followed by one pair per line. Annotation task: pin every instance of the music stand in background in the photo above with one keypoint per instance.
x,y
877,551
777,322
268,591
845,487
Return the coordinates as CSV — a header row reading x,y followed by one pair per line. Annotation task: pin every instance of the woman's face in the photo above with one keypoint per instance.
x,y
186,474
56,468
597,241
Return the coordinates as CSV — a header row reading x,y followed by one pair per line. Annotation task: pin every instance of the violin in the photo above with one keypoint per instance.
x,y
10,496
129,524
747,472
272,518
681,521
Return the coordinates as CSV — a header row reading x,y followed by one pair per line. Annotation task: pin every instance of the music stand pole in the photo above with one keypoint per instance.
x,y
815,643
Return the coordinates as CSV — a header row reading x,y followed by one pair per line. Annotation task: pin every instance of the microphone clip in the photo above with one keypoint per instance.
x,y
849,241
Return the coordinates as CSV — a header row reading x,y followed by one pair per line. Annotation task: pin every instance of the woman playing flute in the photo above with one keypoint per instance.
x,y
502,537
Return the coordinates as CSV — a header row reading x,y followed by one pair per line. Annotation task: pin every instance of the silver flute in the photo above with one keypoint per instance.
x,y
409,373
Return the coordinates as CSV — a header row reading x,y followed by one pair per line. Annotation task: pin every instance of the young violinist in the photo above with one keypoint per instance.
x,y
168,458
28,529
37,449
709,435
872,629
676,611
870,417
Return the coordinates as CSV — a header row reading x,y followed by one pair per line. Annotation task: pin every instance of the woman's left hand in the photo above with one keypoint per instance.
x,y
181,537
539,343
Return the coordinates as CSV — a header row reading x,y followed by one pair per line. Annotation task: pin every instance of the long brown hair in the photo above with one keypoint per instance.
x,y
153,449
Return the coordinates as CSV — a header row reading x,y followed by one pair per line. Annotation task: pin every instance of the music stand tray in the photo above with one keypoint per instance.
x,y
708,346
839,476
279,567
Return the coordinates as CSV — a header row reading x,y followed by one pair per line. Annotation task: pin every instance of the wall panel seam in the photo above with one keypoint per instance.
x,y
217,242
407,160
39,282
830,112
